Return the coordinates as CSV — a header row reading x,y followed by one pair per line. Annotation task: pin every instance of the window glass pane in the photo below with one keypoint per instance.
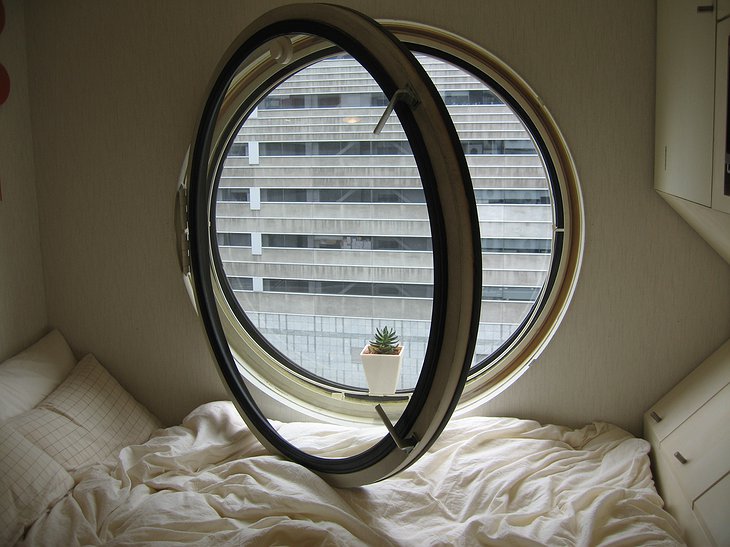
x,y
338,230
512,192
339,238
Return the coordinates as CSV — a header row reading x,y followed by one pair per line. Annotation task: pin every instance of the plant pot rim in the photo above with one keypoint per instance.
x,y
366,351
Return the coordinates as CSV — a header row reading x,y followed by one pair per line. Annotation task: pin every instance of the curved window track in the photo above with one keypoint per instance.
x,y
309,230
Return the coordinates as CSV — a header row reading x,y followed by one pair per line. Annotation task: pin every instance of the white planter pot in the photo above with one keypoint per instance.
x,y
381,371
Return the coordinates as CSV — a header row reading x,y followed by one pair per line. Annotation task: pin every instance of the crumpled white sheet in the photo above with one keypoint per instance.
x,y
490,481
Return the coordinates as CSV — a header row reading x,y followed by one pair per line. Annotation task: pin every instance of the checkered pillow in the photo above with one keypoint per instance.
x,y
30,482
88,418
31,375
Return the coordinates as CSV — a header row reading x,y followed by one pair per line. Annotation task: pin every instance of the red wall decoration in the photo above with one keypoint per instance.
x,y
4,76
4,84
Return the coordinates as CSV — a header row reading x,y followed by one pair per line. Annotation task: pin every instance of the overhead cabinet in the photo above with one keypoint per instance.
x,y
685,89
692,149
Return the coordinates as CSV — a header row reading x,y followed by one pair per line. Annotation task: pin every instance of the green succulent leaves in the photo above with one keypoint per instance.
x,y
384,342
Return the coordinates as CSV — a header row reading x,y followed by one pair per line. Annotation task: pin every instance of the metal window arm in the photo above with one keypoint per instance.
x,y
407,95
404,444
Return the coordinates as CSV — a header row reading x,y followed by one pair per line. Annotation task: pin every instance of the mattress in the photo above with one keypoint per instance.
x,y
490,481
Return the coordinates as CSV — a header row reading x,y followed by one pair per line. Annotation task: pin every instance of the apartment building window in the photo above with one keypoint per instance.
x,y
380,195
233,194
359,99
238,149
348,288
519,294
512,196
515,245
343,195
240,283
345,242
227,239
453,214
397,290
389,148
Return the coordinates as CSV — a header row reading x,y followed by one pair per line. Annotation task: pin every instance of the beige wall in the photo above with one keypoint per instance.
x,y
115,91
22,296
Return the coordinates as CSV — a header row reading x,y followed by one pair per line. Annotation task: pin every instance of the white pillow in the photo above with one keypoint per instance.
x,y
27,378
88,418
30,482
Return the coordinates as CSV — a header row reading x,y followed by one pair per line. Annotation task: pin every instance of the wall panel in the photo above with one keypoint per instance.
x,y
115,91
22,294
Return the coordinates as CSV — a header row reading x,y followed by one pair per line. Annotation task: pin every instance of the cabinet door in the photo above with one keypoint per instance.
x,y
685,84
721,178
698,449
698,387
723,9
712,508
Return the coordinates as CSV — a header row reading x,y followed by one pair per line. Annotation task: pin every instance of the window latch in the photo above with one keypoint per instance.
x,y
407,95
406,445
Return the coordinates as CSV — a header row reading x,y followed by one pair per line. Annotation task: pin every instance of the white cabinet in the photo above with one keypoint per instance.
x,y
713,506
723,9
689,430
691,138
685,87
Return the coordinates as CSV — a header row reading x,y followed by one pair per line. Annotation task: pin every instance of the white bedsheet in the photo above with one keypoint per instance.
x,y
494,481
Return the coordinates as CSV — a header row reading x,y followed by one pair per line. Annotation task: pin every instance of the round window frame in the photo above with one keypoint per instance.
x,y
333,403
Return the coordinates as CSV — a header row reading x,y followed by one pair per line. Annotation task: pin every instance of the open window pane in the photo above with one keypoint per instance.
x,y
339,228
257,236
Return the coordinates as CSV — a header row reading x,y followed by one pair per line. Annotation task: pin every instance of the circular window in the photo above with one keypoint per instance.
x,y
344,183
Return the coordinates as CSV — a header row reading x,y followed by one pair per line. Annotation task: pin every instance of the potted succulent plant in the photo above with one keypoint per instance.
x,y
381,360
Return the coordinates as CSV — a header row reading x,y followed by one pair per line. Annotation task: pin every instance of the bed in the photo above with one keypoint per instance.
x,y
86,464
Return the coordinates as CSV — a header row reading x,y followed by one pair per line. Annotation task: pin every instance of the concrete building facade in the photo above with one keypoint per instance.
x,y
323,230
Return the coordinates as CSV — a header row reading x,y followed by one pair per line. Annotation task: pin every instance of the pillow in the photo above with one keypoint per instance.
x,y
30,481
32,374
88,418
